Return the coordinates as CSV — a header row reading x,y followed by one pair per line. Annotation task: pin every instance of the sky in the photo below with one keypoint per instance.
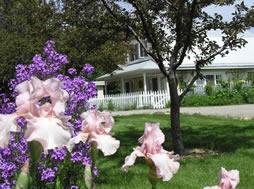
x,y
225,10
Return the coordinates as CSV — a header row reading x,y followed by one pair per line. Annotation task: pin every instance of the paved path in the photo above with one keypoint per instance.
x,y
238,111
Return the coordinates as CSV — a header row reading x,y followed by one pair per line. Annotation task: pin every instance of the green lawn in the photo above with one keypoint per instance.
x,y
230,143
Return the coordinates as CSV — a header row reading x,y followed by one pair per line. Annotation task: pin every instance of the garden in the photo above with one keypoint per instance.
x,y
53,137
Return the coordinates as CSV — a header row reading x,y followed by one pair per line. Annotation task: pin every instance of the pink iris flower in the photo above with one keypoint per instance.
x,y
151,149
228,180
96,128
45,123
30,92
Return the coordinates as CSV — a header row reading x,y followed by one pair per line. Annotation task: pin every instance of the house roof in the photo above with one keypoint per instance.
x,y
137,67
240,59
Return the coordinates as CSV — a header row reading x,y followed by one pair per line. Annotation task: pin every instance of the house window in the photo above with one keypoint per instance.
x,y
218,79
209,79
200,82
135,52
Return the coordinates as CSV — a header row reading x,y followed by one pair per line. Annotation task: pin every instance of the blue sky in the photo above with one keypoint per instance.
x,y
225,10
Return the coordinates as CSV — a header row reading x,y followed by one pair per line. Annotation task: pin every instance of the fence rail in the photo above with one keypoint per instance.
x,y
149,99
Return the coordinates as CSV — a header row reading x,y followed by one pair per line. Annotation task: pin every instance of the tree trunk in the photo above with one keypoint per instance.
x,y
178,146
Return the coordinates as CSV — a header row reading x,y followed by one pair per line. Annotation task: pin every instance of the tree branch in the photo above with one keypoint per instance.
x,y
171,4
158,59
188,38
199,64
188,87
178,28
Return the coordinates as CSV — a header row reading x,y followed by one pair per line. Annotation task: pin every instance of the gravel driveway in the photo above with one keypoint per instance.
x,y
238,111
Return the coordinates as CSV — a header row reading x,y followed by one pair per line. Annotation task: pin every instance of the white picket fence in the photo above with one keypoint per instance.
x,y
150,99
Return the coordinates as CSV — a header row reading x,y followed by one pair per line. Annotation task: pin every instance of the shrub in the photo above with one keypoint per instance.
x,y
248,95
219,99
110,105
238,85
209,90
101,107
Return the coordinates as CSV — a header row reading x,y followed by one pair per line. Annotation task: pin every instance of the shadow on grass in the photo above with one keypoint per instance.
x,y
218,134
223,139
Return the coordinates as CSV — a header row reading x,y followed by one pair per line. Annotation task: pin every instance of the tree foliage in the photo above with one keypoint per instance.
x,y
93,34
25,25
81,29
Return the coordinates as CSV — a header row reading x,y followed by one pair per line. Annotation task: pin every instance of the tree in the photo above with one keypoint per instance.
x,y
91,37
176,29
81,29
25,25
250,17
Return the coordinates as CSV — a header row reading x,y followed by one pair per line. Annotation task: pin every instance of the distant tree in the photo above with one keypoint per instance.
x,y
81,29
175,29
25,25
90,36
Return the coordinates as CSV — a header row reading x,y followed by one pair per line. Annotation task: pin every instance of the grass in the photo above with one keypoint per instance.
x,y
230,143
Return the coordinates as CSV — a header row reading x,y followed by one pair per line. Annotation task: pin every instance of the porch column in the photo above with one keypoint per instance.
x,y
122,85
106,89
144,79
167,87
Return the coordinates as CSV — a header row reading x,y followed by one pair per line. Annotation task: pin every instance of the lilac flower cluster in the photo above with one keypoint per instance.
x,y
88,69
80,154
58,154
6,105
50,164
12,158
21,122
48,174
48,169
80,91
48,65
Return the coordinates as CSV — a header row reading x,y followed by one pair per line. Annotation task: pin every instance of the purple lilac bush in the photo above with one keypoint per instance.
x,y
12,158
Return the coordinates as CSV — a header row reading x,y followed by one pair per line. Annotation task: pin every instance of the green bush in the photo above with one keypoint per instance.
x,y
101,107
248,95
110,105
221,98
238,85
209,90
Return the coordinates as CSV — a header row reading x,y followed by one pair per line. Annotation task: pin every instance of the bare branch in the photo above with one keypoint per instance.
x,y
171,4
178,28
188,87
188,38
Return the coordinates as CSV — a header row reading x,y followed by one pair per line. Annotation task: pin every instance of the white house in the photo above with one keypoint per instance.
x,y
141,73
141,83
